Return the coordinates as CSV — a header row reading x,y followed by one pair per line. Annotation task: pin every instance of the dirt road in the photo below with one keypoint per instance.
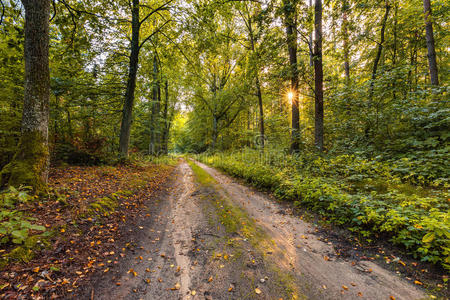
x,y
213,238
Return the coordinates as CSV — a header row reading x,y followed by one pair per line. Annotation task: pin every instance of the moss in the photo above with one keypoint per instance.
x,y
29,166
21,254
201,175
105,206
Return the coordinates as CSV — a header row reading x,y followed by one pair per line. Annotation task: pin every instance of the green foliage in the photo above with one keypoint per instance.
x,y
16,228
368,196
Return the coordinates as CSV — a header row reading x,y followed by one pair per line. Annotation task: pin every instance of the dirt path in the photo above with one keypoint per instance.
x,y
187,250
325,276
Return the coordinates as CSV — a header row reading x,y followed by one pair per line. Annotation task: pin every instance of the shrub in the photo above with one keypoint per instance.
x,y
366,195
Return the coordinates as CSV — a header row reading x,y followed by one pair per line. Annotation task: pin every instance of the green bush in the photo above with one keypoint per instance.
x,y
367,196
15,227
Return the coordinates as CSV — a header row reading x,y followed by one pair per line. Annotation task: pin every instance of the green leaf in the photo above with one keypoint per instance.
x,y
428,238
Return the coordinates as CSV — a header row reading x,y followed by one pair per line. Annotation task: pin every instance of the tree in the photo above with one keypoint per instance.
x,y
289,8
430,43
30,164
345,35
379,48
318,75
136,45
248,19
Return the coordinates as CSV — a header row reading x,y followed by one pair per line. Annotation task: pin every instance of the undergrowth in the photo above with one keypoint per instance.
x,y
367,196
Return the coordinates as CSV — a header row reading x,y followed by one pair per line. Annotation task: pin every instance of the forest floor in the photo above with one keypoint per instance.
x,y
203,235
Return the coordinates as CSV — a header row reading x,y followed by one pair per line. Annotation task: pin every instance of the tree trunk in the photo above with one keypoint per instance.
x,y
291,33
127,112
346,42
430,43
165,140
30,164
261,112
214,133
318,75
380,50
310,41
154,115
261,137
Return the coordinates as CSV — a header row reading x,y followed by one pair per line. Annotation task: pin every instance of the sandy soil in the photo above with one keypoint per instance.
x,y
183,252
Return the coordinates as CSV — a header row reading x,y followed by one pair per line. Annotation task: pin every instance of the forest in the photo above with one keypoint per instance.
x,y
337,108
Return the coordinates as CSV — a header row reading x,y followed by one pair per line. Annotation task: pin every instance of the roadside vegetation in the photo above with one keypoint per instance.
x,y
373,198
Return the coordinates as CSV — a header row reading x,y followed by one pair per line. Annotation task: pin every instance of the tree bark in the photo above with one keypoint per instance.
x,y
30,164
379,50
166,121
430,43
346,42
127,112
291,33
155,113
261,138
261,112
318,75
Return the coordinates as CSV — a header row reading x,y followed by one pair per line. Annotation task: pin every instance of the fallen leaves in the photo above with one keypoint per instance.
x,y
177,286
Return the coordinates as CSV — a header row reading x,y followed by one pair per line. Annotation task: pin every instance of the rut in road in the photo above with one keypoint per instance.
x,y
188,252
321,273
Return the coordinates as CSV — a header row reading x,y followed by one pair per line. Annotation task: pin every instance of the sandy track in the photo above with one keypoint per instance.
x,y
322,275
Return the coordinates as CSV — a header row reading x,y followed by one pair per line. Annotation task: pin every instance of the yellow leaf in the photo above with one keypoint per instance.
x,y
345,287
428,238
35,270
258,291
176,287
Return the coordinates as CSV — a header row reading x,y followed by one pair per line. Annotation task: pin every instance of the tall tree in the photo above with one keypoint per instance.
x,y
136,45
290,20
156,100
30,164
127,113
318,75
430,43
253,40
346,46
379,48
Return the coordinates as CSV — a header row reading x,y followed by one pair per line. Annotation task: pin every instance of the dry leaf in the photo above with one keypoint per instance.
x,y
345,287
176,287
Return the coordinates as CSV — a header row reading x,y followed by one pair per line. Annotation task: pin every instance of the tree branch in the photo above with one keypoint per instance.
x,y
162,7
154,32
3,12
